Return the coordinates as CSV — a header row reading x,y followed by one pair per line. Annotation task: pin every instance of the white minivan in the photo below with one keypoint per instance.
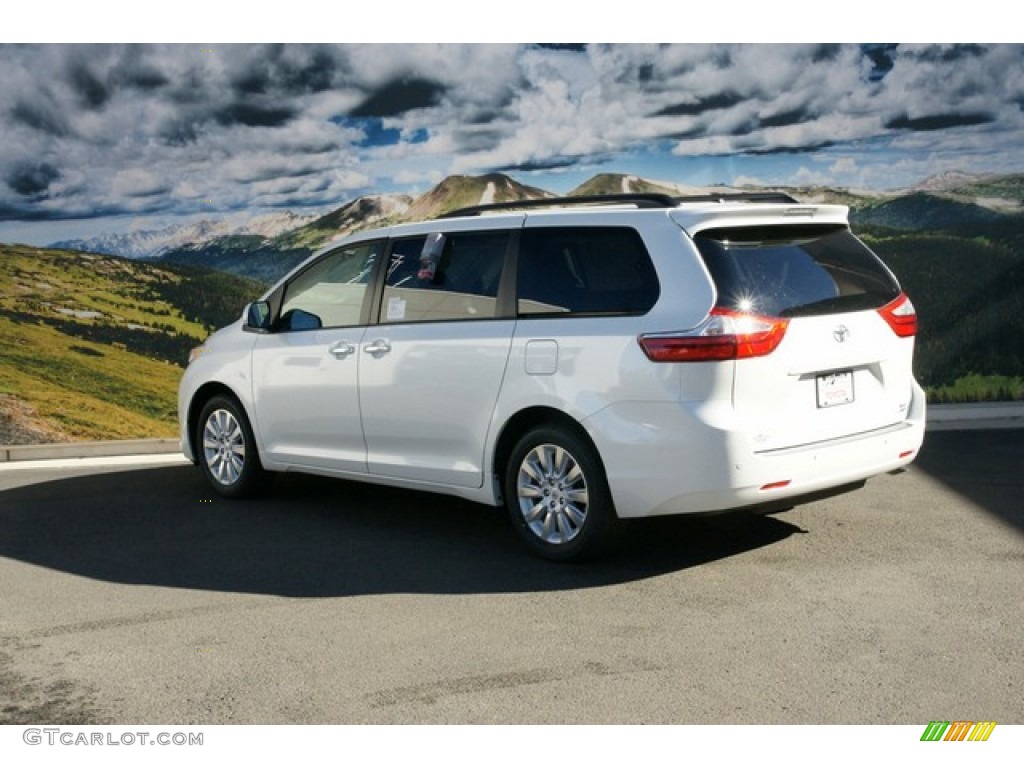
x,y
581,361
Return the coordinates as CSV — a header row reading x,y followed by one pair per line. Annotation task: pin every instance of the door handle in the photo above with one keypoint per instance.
x,y
341,349
377,347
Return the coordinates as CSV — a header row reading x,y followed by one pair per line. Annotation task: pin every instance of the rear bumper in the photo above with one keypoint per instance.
x,y
666,459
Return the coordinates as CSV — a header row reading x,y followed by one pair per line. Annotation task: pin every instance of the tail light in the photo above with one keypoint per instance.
x,y
725,335
900,315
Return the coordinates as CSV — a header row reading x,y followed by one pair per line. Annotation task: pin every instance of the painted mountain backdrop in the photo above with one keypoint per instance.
x,y
93,333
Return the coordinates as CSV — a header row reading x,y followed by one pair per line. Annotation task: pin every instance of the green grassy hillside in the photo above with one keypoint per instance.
x,y
92,347
969,294
922,211
245,257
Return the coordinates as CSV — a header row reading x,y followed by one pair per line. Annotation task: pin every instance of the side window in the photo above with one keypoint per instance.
x,y
458,281
584,270
329,294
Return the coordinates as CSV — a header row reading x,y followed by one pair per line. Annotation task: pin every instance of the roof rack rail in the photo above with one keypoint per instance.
x,y
749,197
640,200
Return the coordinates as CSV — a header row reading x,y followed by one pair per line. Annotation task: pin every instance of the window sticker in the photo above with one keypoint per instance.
x,y
396,308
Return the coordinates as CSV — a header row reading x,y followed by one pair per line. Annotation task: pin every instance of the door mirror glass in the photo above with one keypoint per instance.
x,y
300,320
257,316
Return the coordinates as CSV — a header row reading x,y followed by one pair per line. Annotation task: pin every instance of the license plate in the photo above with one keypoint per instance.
x,y
835,389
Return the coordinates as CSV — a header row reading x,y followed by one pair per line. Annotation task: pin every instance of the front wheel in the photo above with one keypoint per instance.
x,y
227,449
557,495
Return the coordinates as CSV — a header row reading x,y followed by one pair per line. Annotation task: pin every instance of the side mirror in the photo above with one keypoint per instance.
x,y
257,317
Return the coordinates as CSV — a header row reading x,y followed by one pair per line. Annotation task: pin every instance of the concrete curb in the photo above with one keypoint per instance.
x,y
86,450
976,416
940,418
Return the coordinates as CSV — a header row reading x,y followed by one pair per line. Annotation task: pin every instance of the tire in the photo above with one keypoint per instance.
x,y
557,496
226,448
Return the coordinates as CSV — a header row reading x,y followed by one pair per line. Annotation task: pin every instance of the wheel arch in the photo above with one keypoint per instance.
x,y
525,420
598,528
202,396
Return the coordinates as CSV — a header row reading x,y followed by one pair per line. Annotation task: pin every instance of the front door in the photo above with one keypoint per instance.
x,y
305,374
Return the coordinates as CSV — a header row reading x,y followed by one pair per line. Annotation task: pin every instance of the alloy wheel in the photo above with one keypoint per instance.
x,y
552,494
224,446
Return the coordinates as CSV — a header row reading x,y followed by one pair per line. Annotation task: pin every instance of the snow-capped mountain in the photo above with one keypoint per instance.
x,y
950,180
153,243
270,225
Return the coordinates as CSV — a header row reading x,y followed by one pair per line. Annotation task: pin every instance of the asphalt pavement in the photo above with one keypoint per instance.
x,y
132,595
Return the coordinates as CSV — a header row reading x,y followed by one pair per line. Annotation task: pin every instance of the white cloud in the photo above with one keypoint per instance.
x,y
842,166
163,127
136,182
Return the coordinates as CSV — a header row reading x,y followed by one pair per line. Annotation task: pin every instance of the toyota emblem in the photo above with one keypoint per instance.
x,y
841,333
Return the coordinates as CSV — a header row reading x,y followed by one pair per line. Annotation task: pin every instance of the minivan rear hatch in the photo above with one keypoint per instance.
x,y
843,366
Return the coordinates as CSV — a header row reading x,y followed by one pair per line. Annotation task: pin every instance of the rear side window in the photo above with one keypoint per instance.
x,y
796,270
585,270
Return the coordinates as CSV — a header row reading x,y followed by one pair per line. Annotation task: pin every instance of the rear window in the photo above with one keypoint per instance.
x,y
796,270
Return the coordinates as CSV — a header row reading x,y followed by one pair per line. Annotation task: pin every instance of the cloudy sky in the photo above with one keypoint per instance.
x,y
112,137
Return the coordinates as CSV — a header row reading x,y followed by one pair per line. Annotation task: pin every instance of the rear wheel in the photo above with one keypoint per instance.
x,y
557,495
227,449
